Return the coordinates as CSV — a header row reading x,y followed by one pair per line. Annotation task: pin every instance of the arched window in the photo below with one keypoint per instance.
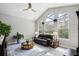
x,y
48,26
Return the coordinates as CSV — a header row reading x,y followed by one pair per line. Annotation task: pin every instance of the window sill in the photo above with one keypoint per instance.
x,y
63,39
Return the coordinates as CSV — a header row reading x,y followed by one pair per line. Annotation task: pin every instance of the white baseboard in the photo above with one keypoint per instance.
x,y
67,46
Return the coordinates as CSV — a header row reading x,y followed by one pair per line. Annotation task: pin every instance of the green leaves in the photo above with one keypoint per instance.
x,y
4,29
19,36
63,33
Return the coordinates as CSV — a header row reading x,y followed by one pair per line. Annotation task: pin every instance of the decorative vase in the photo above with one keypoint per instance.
x,y
18,41
27,42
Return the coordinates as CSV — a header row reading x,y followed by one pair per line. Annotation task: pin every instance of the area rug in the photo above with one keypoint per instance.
x,y
37,50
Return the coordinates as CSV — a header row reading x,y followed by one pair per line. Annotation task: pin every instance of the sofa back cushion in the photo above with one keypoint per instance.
x,y
44,36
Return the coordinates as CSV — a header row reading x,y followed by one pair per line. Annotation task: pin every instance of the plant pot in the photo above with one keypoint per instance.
x,y
18,41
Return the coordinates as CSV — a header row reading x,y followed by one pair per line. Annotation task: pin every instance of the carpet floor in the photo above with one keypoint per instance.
x,y
37,50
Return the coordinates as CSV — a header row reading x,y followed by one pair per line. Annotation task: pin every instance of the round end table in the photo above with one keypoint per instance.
x,y
27,45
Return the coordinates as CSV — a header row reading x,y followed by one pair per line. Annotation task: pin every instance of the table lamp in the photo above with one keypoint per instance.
x,y
55,35
36,34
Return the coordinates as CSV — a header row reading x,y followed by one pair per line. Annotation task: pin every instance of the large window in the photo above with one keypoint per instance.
x,y
48,26
63,26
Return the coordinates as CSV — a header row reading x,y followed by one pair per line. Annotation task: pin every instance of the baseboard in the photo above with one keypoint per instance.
x,y
66,46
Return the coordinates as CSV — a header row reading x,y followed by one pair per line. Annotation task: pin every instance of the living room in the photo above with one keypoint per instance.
x,y
31,30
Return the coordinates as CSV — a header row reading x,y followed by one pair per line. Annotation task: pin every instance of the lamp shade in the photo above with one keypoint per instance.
x,y
36,33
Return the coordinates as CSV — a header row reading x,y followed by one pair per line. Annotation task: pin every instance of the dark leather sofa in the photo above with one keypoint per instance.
x,y
43,39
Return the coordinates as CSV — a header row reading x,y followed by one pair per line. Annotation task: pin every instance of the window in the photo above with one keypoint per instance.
x,y
48,26
40,27
63,26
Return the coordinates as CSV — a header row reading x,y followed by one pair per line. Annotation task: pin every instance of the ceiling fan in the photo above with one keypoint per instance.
x,y
29,8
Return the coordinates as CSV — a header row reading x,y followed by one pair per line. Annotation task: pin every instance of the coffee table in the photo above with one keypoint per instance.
x,y
27,45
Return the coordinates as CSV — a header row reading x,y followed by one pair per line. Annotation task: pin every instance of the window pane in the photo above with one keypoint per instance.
x,y
40,27
63,26
49,26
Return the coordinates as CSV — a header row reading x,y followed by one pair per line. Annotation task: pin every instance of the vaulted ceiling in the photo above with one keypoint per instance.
x,y
16,9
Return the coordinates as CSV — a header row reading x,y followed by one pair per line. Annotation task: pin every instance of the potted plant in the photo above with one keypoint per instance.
x,y
18,36
4,29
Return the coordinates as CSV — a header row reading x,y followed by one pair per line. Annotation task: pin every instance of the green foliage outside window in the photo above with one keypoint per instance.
x,y
63,33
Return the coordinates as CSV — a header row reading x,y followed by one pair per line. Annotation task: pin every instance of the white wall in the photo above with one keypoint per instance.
x,y
73,23
24,26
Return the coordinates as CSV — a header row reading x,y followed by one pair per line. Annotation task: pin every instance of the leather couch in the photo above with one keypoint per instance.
x,y
43,39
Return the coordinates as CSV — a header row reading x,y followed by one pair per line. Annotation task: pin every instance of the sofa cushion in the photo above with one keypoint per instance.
x,y
42,36
42,39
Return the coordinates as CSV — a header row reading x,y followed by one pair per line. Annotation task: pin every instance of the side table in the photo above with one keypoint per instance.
x,y
27,45
55,44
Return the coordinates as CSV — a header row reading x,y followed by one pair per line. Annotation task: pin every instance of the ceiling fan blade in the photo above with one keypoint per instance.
x,y
33,10
29,8
25,9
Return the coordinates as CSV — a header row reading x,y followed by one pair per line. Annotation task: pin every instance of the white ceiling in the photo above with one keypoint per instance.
x,y
16,9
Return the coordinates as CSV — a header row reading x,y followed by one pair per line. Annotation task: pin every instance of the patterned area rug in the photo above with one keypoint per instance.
x,y
37,50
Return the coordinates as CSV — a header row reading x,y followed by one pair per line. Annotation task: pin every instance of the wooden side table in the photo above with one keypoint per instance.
x,y
27,46
55,44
